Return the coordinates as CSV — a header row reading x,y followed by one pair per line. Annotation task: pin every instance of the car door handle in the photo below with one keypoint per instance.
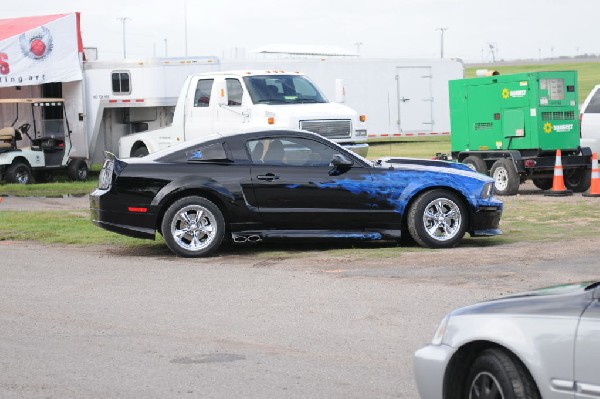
x,y
267,177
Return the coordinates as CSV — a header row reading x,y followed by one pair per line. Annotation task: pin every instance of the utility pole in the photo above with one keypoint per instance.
x,y
185,27
358,44
442,30
123,20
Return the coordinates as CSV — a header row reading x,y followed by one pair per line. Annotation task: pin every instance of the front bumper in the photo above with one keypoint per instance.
x,y
430,364
485,221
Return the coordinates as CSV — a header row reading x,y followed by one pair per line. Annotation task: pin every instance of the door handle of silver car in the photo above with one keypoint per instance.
x,y
267,177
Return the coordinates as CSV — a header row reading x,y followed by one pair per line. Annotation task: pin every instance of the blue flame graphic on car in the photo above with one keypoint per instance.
x,y
398,187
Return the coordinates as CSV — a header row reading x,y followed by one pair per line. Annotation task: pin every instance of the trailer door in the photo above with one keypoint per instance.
x,y
415,99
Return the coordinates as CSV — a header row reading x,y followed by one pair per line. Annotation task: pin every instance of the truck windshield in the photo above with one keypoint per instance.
x,y
282,89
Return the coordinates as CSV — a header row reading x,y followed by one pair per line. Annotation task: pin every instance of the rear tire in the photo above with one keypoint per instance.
x,y
77,170
544,183
506,177
437,219
578,180
497,375
18,173
476,163
193,227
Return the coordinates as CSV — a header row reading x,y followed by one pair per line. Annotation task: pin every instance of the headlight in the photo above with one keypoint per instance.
x,y
488,190
438,337
361,133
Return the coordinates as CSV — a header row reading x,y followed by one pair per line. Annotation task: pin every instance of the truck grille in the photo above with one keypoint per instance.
x,y
558,116
332,129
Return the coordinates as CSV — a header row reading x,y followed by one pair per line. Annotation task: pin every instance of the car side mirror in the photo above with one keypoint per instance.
x,y
340,160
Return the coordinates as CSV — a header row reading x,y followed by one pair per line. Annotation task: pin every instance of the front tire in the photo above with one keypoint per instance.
x,y
506,177
437,219
18,173
193,227
497,375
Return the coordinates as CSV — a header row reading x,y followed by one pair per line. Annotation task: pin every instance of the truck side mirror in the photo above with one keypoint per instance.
x,y
222,98
340,91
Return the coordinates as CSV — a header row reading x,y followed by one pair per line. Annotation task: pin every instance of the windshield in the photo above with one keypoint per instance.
x,y
282,89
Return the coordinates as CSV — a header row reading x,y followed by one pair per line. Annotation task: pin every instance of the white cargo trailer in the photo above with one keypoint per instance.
x,y
400,97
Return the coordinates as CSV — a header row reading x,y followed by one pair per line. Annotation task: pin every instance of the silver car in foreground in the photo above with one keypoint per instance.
x,y
539,344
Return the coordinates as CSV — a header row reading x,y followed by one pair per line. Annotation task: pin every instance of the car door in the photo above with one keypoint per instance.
x,y
587,351
199,115
296,188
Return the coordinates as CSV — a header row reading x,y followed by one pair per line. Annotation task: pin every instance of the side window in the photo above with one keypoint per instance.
x,y
203,90
234,92
211,152
121,82
293,151
594,104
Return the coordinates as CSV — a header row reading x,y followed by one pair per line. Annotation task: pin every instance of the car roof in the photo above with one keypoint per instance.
x,y
240,135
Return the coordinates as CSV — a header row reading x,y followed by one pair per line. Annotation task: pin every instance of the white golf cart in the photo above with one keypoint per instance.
x,y
50,143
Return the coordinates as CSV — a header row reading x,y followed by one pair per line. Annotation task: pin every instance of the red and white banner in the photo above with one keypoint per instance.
x,y
43,49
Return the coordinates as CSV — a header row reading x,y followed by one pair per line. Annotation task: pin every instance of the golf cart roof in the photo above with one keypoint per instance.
x,y
37,101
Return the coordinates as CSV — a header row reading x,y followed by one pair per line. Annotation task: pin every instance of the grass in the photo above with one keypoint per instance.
x,y
588,72
525,219
49,189
411,147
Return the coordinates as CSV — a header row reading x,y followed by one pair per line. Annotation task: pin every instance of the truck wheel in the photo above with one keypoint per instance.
x,y
18,173
543,183
43,176
193,227
578,180
77,170
476,163
506,178
437,219
140,152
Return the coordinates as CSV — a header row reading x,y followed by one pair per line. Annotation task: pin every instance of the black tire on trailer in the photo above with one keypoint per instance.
x,y
543,183
498,374
140,152
77,170
43,176
476,163
506,177
18,173
578,180
437,219
193,227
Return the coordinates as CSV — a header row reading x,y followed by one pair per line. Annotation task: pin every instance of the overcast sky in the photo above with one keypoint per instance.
x,y
386,28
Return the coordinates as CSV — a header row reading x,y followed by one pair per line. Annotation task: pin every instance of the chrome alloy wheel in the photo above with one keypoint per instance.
x,y
22,177
442,219
485,386
501,178
194,228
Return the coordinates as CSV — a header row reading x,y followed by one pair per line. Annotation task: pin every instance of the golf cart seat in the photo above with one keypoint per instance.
x,y
7,137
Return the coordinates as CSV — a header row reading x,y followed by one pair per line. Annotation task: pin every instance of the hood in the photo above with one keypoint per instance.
x,y
454,168
561,300
307,111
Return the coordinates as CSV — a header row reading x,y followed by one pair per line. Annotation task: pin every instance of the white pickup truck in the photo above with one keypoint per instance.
x,y
589,118
227,102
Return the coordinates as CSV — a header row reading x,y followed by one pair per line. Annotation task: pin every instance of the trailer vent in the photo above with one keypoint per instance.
x,y
332,129
558,116
484,126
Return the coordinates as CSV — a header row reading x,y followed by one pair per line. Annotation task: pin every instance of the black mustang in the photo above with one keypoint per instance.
x,y
288,184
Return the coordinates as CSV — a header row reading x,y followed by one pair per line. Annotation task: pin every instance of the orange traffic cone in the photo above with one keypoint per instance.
x,y
594,190
558,183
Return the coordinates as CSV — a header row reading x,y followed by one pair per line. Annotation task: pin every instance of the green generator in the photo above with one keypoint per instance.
x,y
510,126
